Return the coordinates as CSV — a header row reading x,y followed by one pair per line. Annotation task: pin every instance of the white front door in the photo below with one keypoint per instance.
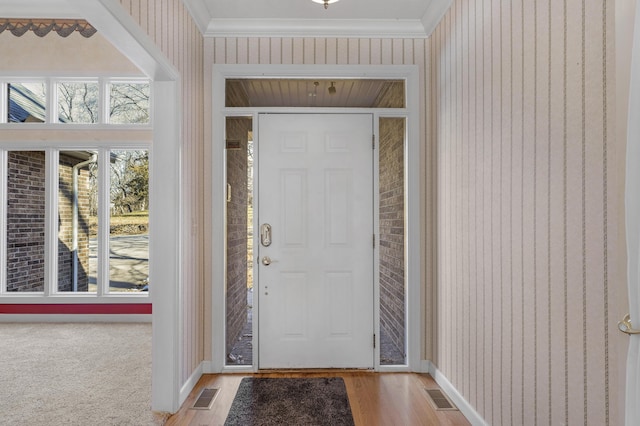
x,y
316,194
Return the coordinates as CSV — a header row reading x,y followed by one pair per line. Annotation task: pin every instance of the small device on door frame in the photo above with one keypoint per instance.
x,y
265,234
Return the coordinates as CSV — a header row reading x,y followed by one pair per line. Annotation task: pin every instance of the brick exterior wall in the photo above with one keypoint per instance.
x,y
26,223
237,129
65,225
392,229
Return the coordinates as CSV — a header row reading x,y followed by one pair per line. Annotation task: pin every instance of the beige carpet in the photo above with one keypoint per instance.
x,y
76,374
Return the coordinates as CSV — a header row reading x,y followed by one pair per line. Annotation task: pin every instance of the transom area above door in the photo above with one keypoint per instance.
x,y
315,93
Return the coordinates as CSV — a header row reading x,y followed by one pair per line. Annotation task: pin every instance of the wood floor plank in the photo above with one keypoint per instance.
x,y
375,398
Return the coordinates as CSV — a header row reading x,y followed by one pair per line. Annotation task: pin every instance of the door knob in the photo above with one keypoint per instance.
x,y
626,327
266,261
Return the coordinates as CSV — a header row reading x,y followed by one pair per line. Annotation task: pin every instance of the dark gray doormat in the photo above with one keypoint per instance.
x,y
290,401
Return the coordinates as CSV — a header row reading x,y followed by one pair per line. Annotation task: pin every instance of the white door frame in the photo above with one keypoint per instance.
x,y
409,73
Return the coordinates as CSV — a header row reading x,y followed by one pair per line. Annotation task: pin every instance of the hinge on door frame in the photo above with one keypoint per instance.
x,y
374,240
374,340
373,141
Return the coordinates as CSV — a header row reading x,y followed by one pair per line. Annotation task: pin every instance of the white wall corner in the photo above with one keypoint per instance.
x,y
465,408
199,13
433,15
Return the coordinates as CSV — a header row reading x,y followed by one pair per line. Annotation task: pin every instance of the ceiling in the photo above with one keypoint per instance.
x,y
276,18
295,93
346,18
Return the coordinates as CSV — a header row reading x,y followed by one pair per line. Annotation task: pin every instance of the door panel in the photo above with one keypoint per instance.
x,y
315,190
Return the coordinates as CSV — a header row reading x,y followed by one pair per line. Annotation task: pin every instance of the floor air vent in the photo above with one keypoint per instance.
x,y
439,400
206,398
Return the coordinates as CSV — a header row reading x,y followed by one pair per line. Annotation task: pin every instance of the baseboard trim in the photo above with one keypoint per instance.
x,y
76,308
469,412
207,367
191,382
141,318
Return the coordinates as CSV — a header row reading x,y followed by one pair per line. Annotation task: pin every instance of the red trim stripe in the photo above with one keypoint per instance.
x,y
77,308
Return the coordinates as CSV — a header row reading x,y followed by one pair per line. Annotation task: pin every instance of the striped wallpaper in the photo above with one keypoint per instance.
x,y
529,283
169,24
520,200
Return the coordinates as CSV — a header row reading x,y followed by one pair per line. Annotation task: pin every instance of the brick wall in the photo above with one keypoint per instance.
x,y
65,225
237,129
392,228
26,219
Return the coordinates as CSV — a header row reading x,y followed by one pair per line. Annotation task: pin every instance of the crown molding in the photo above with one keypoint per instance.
x,y
360,28
434,14
199,13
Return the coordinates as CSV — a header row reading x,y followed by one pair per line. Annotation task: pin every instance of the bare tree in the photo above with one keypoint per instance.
x,y
78,102
130,181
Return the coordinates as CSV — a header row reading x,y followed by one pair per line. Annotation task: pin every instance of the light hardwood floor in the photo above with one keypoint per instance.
x,y
396,399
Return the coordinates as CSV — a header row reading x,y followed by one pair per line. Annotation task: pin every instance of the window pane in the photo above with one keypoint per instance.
x,y
78,102
392,243
239,277
129,222
25,221
129,103
27,102
77,221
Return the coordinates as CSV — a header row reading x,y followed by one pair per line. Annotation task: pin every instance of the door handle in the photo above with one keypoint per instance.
x,y
266,261
265,234
626,327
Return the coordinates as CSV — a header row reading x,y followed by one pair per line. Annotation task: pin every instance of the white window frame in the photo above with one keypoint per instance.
x,y
51,112
101,144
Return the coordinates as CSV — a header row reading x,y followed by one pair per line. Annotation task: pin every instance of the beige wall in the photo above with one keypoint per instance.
x,y
92,56
169,24
530,285
343,51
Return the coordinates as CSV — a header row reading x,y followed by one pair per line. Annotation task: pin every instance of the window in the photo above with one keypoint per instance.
x,y
25,224
75,101
75,215
129,221
129,103
78,102
27,102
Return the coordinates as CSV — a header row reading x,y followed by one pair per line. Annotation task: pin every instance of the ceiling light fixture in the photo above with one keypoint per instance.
x,y
332,89
326,3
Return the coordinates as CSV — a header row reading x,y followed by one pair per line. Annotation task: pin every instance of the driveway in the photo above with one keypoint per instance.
x,y
128,262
